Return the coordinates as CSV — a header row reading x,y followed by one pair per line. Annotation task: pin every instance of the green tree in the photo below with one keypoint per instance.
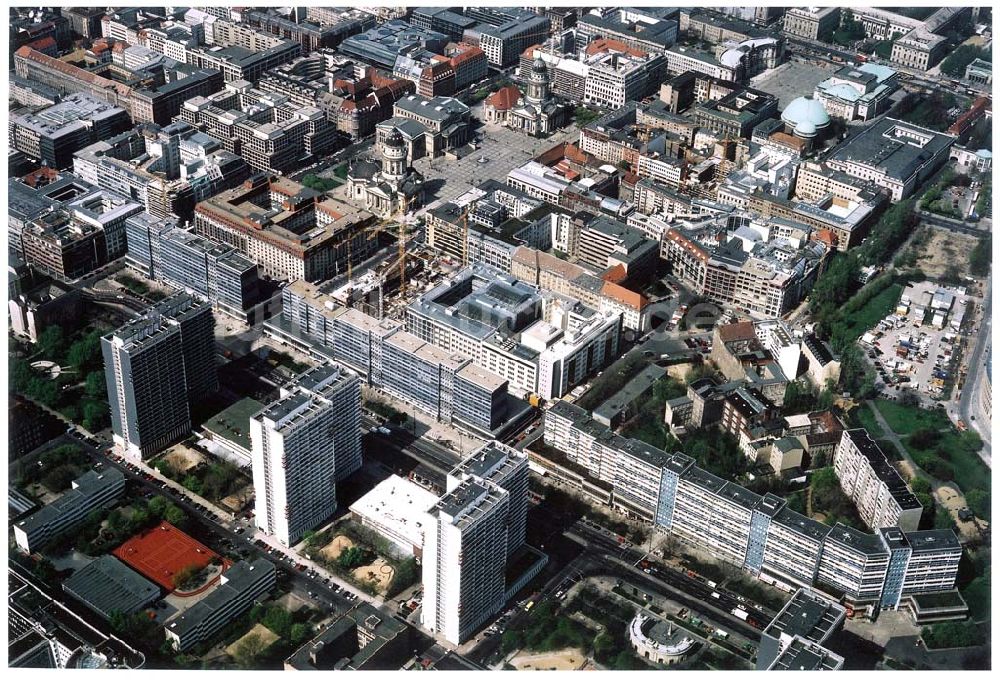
x,y
979,502
44,390
117,521
60,478
299,632
351,558
278,621
952,634
158,506
981,257
604,647
512,640
175,516
165,468
86,352
924,438
140,520
625,660
186,577
95,385
193,484
52,343
955,63
407,573
585,116
96,416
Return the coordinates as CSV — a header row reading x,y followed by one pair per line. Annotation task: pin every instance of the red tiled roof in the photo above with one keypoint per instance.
x,y
611,45
75,72
615,274
504,99
469,52
826,236
43,43
41,176
636,301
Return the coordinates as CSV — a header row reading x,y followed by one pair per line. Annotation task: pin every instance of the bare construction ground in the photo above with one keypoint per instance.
x,y
944,250
563,660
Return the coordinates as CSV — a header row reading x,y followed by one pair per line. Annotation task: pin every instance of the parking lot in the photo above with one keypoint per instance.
x,y
910,347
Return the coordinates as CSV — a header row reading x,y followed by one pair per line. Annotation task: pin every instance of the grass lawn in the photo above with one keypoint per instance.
x,y
874,311
867,420
905,420
968,469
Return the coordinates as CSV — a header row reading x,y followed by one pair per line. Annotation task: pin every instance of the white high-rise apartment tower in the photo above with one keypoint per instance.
x,y
465,559
506,467
303,444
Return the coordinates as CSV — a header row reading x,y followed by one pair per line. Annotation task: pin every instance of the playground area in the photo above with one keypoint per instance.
x,y
953,501
339,544
379,573
563,660
182,458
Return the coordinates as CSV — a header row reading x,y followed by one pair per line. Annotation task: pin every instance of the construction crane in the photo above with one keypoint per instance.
x,y
371,234
465,236
404,208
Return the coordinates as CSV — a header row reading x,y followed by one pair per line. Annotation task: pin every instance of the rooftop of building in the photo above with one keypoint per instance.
x,y
438,109
802,655
898,148
233,423
857,540
377,625
69,115
241,207
933,540
809,615
238,578
655,32
399,505
159,318
84,487
806,526
467,502
489,461
106,585
818,348
883,469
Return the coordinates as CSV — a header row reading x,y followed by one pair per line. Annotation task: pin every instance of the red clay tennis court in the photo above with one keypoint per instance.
x,y
161,552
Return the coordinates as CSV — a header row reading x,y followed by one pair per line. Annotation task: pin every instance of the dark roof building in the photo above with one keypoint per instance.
x,y
107,586
809,619
365,638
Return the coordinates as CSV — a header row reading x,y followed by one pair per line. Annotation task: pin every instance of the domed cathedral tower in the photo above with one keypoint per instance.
x,y
537,88
394,157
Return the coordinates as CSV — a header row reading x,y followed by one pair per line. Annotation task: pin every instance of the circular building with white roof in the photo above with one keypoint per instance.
x,y
659,641
805,117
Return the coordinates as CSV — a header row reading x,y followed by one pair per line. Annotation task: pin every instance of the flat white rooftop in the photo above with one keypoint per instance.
x,y
398,506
